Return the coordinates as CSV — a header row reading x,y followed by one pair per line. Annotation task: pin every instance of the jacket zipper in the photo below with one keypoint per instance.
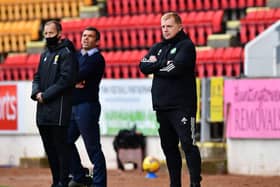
x,y
61,108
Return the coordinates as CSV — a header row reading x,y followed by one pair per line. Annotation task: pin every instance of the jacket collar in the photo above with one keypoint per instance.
x,y
178,37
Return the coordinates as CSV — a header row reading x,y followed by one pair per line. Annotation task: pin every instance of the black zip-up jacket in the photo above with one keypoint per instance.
x,y
55,78
91,70
174,84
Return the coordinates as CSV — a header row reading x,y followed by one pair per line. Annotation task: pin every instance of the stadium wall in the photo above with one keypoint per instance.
x,y
19,135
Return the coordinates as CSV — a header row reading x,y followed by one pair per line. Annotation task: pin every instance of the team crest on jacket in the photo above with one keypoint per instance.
x,y
173,51
55,59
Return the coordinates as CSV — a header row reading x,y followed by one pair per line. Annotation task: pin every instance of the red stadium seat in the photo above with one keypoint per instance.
x,y
181,5
191,5
209,62
216,4
133,38
149,7
157,7
109,39
233,4
217,20
200,68
117,38
199,5
141,6
110,7
125,7
218,58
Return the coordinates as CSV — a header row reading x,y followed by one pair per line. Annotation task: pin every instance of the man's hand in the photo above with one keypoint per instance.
x,y
39,97
153,58
80,84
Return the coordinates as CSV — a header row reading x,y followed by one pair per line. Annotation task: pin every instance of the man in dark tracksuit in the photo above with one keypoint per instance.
x,y
172,62
52,89
86,112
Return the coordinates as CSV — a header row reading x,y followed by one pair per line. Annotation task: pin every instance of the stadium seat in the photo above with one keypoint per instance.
x,y
216,4
109,39
149,7
217,20
181,5
117,38
173,6
141,6
218,59
199,5
200,68
191,5
209,62
157,6
15,65
110,7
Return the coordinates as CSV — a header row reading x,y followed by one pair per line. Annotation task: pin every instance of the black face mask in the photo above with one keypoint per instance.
x,y
52,41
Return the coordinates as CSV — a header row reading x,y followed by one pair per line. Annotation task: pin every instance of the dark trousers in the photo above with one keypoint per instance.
x,y
85,122
175,126
57,149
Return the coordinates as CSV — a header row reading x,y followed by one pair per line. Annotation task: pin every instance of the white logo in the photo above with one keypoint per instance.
x,y
184,120
173,51
159,52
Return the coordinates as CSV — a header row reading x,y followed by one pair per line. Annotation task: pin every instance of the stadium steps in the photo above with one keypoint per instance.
x,y
34,162
34,47
222,40
273,3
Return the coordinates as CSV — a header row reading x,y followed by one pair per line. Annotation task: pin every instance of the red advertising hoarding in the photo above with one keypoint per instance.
x,y
8,107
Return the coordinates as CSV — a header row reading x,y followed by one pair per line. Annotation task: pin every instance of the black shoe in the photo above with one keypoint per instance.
x,y
73,183
58,185
84,182
195,185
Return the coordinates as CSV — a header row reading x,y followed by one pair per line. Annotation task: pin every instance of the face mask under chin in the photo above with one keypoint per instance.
x,y
52,41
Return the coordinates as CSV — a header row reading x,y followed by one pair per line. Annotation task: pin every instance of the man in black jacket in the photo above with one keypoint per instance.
x,y
86,112
172,62
52,89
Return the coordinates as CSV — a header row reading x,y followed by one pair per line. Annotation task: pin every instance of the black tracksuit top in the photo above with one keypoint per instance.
x,y
174,84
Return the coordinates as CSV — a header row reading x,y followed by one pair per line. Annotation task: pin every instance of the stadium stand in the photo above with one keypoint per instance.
x,y
256,21
129,28
40,9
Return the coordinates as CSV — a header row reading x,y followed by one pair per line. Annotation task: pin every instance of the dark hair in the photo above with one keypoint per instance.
x,y
95,30
56,23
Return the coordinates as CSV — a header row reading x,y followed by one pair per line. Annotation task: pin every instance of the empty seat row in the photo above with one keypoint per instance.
x,y
143,20
256,22
39,9
142,31
129,7
14,35
19,66
124,64
220,62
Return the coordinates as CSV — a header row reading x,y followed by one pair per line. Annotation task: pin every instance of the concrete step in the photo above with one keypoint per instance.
x,y
34,162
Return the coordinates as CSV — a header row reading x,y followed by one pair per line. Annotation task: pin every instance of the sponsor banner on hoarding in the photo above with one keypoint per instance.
x,y
252,108
126,103
8,107
216,99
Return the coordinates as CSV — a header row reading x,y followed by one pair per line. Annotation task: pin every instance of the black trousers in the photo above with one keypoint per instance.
x,y
175,126
57,149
